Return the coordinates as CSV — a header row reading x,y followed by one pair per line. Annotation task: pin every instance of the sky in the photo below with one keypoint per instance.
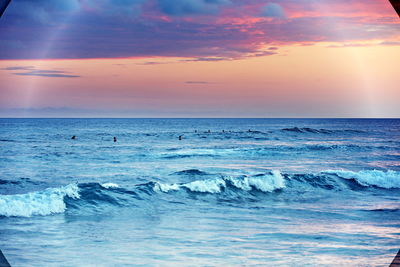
x,y
199,58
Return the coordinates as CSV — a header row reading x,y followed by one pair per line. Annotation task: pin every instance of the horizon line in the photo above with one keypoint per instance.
x,y
351,118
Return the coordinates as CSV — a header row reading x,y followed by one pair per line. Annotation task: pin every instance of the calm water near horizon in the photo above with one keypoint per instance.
x,y
232,192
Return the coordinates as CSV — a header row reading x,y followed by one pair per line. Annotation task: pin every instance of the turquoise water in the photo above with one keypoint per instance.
x,y
233,192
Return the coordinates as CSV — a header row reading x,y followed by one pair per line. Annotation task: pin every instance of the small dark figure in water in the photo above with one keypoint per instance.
x,y
180,137
195,131
249,131
209,131
223,131
115,139
73,137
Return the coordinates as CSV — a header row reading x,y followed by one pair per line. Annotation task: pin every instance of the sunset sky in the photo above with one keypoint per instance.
x,y
200,58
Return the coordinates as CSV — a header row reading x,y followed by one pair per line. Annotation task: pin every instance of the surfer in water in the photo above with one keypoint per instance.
x,y
180,137
73,137
115,139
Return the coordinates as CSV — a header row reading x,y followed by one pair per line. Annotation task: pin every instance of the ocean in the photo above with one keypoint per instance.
x,y
232,192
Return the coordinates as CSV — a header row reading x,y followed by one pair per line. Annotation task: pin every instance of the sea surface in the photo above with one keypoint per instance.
x,y
232,192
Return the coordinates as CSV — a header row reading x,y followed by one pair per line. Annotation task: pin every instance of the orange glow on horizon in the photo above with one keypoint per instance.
x,y
307,76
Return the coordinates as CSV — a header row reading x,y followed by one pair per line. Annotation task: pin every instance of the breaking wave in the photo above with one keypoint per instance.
x,y
91,196
109,185
384,179
265,183
45,202
319,131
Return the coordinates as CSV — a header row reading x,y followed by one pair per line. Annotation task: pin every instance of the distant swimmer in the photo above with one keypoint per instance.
x,y
209,131
195,131
115,139
249,131
223,131
180,137
73,137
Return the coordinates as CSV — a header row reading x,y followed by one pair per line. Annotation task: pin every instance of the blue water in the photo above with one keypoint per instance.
x,y
251,192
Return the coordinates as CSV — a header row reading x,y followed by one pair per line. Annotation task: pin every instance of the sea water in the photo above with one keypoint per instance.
x,y
232,192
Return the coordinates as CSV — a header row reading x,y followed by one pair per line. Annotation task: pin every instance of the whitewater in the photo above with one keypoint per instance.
x,y
236,192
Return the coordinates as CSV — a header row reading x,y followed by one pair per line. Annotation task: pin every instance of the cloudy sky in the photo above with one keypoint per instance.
x,y
200,58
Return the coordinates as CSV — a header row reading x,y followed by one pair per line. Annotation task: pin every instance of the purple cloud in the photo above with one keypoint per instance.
x,y
32,71
273,10
206,30
190,7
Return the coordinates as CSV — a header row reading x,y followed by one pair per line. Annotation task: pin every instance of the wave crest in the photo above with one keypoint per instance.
x,y
265,183
384,179
109,185
319,131
45,202
95,197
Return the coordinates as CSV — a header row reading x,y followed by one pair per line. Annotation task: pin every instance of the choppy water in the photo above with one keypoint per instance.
x,y
251,192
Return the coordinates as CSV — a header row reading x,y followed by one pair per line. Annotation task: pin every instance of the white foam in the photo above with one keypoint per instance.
x,y
265,183
45,202
206,186
166,187
109,185
385,179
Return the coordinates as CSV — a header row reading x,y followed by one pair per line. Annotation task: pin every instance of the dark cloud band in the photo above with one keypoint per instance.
x,y
206,30
32,71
